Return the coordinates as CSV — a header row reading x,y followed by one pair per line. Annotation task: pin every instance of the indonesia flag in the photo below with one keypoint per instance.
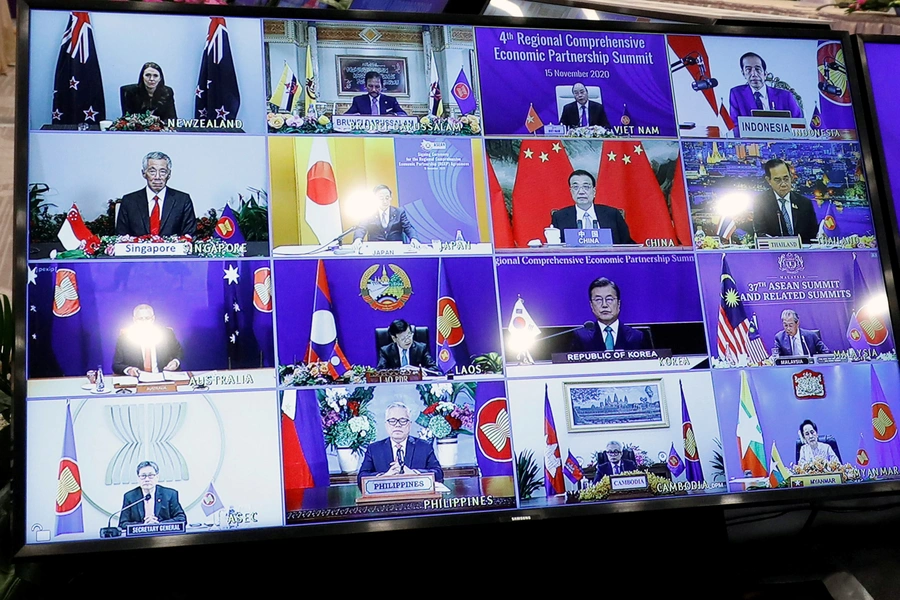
x,y
553,471
323,343
69,518
73,231
323,213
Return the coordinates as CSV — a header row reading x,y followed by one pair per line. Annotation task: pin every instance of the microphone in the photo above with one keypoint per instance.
x,y
400,459
109,531
589,325
706,83
331,241
829,88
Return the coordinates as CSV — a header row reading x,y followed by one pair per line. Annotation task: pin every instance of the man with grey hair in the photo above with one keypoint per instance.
x,y
160,504
399,453
615,464
583,112
157,209
794,341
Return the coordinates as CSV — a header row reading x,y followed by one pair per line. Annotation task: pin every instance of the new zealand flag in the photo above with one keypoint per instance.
x,y
217,91
78,87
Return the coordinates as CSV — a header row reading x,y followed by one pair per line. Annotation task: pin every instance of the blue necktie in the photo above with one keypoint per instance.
x,y
404,360
584,120
786,215
609,338
758,97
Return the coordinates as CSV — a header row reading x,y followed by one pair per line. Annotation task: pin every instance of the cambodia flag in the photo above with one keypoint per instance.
x,y
227,228
451,339
493,446
884,428
462,93
302,441
323,342
78,86
691,456
553,472
69,518
211,502
573,469
217,93
674,462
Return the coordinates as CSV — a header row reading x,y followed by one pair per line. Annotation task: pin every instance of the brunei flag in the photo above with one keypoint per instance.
x,y
286,95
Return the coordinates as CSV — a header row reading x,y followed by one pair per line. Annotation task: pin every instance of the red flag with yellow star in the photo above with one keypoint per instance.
x,y
542,185
532,120
627,182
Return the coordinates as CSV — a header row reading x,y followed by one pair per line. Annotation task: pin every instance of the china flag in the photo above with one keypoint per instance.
x,y
542,185
627,182
503,235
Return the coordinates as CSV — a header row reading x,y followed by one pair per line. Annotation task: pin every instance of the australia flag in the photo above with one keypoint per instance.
x,y
217,94
78,87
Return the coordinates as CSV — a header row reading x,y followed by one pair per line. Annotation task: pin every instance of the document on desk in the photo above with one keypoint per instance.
x,y
440,487
148,377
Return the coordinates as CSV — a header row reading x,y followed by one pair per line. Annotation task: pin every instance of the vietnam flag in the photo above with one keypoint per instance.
x,y
553,466
542,185
302,441
627,181
533,120
751,447
323,213
503,234
680,213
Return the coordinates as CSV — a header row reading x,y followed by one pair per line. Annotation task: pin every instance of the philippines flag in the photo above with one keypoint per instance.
x,y
69,518
691,456
553,472
74,232
217,93
573,469
78,86
323,213
733,332
462,93
451,340
211,502
323,342
302,441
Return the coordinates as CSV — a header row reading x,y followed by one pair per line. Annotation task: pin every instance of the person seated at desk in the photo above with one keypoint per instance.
x,y
615,464
146,346
149,94
583,112
373,102
585,214
162,506
795,341
156,209
400,452
388,223
404,352
811,448
609,333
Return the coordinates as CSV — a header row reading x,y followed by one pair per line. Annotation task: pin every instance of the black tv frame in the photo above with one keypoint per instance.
x,y
719,501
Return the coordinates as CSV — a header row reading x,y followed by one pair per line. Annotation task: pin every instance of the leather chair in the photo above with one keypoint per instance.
x,y
383,338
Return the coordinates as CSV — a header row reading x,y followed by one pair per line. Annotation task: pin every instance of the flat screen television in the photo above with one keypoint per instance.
x,y
428,270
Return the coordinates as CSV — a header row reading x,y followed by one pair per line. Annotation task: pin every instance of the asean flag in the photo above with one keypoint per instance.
x,y
262,289
493,447
884,427
69,517
323,342
323,213
227,228
65,294
451,339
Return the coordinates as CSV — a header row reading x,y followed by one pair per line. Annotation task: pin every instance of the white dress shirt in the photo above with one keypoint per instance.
x,y
150,505
591,216
162,198
615,330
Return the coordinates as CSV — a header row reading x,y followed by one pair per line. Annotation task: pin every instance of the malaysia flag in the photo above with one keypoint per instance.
x,y
69,517
78,86
323,213
553,471
737,339
323,342
217,93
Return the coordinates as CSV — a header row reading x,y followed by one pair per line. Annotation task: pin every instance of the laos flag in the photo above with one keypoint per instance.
x,y
323,342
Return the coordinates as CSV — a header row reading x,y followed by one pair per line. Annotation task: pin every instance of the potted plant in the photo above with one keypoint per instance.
x,y
449,412
347,423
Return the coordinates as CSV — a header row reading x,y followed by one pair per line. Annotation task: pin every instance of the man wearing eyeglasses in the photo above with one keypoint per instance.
x,y
157,209
615,464
400,452
780,211
756,95
160,504
586,214
608,332
404,352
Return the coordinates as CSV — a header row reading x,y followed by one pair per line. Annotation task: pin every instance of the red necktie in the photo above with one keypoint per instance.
x,y
154,217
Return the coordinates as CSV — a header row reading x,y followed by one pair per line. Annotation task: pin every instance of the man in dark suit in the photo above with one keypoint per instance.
x,y
794,341
615,464
585,214
583,112
404,351
782,212
388,223
162,506
609,333
146,346
756,95
400,452
374,102
156,209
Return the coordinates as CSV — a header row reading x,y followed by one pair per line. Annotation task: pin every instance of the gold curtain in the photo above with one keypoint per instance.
x,y
7,38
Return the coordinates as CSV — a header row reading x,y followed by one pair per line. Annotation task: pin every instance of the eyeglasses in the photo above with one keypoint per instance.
x,y
604,299
155,172
395,422
147,476
614,452
581,188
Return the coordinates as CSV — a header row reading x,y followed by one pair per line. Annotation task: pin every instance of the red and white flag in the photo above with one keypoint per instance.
x,y
323,213
73,230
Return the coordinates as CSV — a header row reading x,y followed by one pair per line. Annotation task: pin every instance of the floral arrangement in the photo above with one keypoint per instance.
x,y
429,124
870,5
347,421
601,490
446,415
280,123
464,125
139,122
819,466
594,131
641,457
318,373
98,246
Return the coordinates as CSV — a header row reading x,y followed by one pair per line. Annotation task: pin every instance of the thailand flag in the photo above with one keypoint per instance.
x,y
78,86
553,471
69,518
323,342
323,212
217,93
451,339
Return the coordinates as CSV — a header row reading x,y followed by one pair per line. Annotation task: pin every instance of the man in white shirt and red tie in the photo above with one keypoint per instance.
x,y
399,453
615,464
160,504
157,209
794,341
146,346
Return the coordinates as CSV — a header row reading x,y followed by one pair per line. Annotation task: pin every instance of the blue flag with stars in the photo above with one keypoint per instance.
x,y
217,93
78,87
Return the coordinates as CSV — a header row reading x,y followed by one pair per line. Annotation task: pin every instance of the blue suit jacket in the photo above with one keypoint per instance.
x,y
627,339
812,344
419,455
168,508
387,105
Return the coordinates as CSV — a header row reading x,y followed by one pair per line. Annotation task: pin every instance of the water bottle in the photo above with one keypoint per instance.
x,y
231,520
459,236
101,384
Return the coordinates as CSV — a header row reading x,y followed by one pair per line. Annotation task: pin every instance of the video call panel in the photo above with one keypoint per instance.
x,y
880,60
